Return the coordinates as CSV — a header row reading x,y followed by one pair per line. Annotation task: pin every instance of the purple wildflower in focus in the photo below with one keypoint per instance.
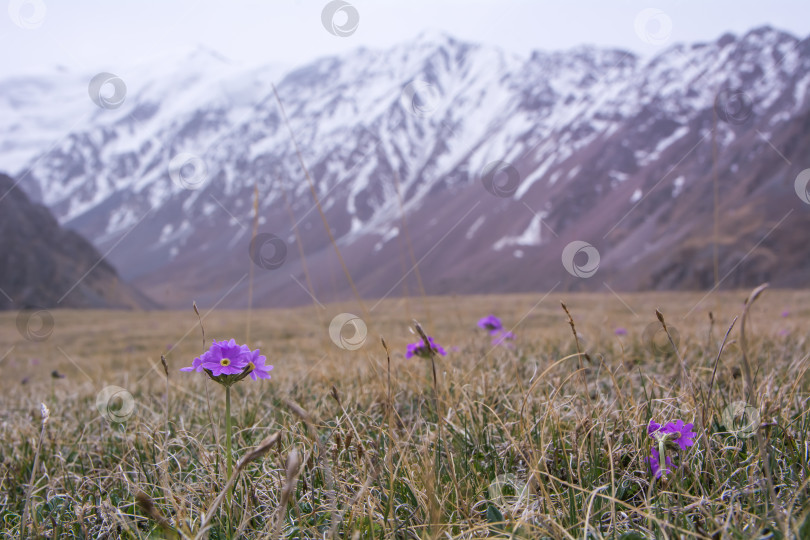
x,y
223,358
419,349
227,363
230,359
655,464
259,370
620,331
491,324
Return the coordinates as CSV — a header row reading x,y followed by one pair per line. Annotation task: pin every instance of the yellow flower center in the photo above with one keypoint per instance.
x,y
225,362
252,366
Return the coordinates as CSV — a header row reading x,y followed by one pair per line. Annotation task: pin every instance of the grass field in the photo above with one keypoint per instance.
x,y
546,438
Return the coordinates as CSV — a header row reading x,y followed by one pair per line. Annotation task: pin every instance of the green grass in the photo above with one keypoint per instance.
x,y
536,441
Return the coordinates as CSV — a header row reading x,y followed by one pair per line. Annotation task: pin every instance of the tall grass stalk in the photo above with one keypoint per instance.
x,y
27,506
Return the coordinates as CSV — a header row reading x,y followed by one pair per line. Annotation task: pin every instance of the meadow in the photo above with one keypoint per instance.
x,y
544,436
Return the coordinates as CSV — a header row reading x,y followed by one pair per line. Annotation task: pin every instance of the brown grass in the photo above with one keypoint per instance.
x,y
518,419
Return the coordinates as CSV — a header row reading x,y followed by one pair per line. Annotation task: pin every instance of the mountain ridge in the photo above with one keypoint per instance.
x,y
45,266
592,135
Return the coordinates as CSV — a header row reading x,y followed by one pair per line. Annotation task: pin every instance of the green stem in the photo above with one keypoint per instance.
x,y
228,454
662,462
438,419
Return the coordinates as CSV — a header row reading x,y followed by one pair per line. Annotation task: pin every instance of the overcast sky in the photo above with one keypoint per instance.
x,y
90,35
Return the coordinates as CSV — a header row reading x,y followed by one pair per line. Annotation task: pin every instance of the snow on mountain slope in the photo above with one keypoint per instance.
x,y
37,110
165,182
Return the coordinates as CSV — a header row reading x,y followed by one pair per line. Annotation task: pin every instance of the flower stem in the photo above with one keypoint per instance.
x,y
661,458
228,455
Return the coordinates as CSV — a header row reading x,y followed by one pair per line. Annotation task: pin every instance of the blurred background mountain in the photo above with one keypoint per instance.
x,y
45,265
441,166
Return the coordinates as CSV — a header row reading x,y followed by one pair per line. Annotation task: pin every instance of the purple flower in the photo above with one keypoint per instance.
x,y
419,349
620,331
227,358
785,313
223,358
783,332
259,370
491,323
655,464
501,337
196,365
684,437
678,432
231,359
675,432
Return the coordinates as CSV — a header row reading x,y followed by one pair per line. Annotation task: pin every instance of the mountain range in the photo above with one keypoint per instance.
x,y
435,166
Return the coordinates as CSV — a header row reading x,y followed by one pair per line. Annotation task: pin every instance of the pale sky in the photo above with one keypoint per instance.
x,y
93,35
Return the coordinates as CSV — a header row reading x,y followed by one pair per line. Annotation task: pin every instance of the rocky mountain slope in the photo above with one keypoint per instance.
x,y
480,166
46,266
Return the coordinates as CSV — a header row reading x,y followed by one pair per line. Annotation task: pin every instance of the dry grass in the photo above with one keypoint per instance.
x,y
525,450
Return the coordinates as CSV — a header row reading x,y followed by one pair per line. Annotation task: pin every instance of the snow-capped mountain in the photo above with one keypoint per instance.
x,y
480,166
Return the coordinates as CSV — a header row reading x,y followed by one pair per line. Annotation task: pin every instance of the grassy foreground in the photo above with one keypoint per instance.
x,y
545,439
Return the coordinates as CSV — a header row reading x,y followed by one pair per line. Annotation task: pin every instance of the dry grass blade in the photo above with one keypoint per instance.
x,y
292,470
360,493
329,478
580,354
202,328
708,402
752,400
251,456
684,371
27,506
749,379
147,505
